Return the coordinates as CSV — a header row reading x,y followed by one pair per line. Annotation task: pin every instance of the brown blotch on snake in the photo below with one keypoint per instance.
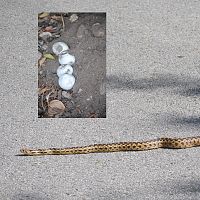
x,y
168,143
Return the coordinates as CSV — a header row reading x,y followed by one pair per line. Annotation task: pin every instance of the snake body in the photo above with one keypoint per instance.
x,y
169,143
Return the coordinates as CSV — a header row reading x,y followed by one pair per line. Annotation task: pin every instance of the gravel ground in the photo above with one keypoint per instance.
x,y
87,41
152,91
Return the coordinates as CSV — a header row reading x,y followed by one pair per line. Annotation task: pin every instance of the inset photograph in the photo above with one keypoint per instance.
x,y
71,65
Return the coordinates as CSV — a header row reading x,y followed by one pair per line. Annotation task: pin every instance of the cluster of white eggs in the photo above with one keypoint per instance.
x,y
66,79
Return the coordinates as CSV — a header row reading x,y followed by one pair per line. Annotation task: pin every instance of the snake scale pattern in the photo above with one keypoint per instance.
x,y
169,143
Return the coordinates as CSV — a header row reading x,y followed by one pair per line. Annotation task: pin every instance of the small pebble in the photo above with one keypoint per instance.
x,y
88,99
44,47
98,30
66,95
40,42
80,90
57,35
73,17
81,31
45,34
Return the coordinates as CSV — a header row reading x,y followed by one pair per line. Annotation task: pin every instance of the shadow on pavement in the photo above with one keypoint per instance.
x,y
108,194
175,190
187,86
189,121
188,187
29,196
191,92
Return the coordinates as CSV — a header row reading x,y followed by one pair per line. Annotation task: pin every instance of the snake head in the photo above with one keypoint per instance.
x,y
25,151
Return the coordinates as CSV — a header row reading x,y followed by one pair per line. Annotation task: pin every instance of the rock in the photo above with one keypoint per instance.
x,y
73,18
98,30
40,42
45,36
40,45
40,72
90,98
66,95
80,90
81,32
44,47
57,36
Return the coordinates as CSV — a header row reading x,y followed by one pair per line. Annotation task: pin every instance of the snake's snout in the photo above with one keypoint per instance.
x,y
25,151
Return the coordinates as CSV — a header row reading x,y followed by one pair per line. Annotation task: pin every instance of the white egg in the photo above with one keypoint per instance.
x,y
59,48
64,69
66,81
66,59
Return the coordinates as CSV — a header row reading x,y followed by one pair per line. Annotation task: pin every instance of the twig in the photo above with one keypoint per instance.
x,y
42,99
63,23
47,97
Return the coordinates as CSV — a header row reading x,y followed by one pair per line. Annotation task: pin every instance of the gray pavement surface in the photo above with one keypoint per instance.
x,y
153,60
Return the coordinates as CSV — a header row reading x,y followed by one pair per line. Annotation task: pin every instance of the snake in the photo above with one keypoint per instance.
x,y
167,143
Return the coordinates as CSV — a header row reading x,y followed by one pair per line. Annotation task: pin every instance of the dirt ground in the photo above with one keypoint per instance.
x,y
86,38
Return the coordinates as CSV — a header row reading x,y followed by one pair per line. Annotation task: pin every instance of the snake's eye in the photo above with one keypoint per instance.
x,y
22,150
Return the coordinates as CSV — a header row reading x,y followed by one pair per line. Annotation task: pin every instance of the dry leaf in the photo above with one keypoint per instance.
x,y
78,109
41,61
42,90
45,34
49,29
93,115
43,15
55,107
58,18
49,56
63,22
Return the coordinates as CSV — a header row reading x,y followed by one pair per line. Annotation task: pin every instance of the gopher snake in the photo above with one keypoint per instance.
x,y
169,143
